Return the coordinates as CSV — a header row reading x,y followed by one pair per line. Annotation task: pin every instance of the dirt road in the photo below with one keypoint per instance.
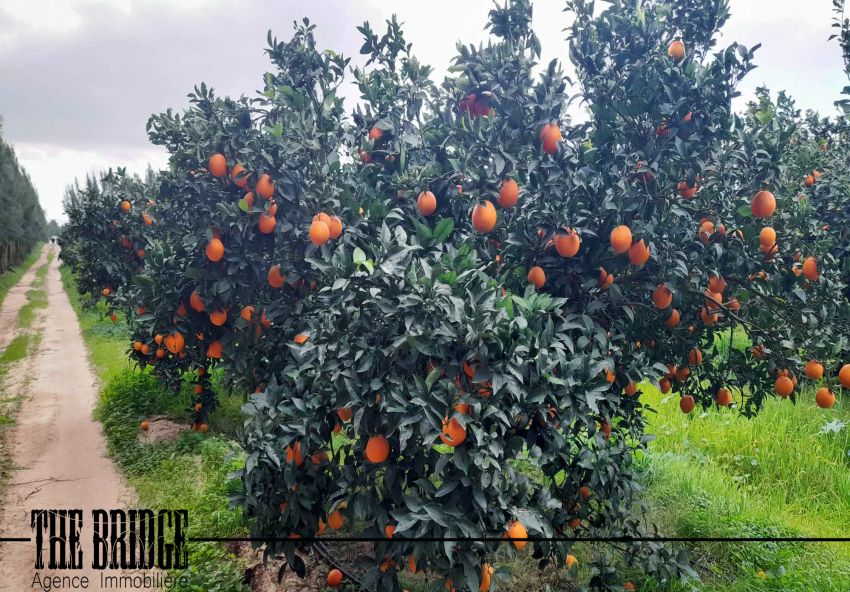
x,y
57,446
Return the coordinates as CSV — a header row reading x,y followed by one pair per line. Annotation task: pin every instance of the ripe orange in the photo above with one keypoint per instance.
x,y
810,269
158,338
584,492
249,199
673,319
195,302
198,389
275,278
571,561
247,313
125,206
486,572
631,389
814,369
783,386
723,397
621,239
676,50
217,165
336,519
551,135
377,449
375,133
638,253
319,233
218,317
484,217
144,425
537,276
345,413
175,342
567,242
844,376
662,297
809,181
687,404
335,227
145,349
716,284
824,398
266,223
508,193
214,350
712,299
238,175
664,385
215,250
516,530
767,237
453,433
265,187
301,338
160,353
427,203
293,454
137,345
685,191
147,220
695,357
763,204
629,586
334,578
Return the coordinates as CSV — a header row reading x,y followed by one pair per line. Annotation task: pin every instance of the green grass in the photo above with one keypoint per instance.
x,y
10,278
190,473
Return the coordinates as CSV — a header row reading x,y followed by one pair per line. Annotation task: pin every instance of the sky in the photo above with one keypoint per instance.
x,y
79,78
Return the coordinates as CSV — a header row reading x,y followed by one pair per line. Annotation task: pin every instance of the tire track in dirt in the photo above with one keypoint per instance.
x,y
58,448
16,299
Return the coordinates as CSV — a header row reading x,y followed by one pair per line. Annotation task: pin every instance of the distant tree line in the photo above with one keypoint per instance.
x,y
22,222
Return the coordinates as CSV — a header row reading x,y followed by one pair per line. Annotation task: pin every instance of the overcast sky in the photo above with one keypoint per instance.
x,y
79,78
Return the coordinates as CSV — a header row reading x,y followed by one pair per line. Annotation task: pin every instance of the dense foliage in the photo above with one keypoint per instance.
x,y
22,222
446,302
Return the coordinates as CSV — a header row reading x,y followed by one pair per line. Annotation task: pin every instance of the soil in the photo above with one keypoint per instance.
x,y
58,449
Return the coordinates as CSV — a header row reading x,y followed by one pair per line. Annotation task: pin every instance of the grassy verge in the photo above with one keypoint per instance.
x,y
10,278
188,473
36,297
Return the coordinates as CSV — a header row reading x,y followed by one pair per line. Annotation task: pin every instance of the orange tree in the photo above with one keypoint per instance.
x,y
104,240
512,281
447,303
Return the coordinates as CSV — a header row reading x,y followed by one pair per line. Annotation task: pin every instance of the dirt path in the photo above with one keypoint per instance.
x,y
57,446
15,299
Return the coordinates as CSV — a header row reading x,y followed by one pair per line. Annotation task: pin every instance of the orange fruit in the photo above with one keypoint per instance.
x,y
484,217
137,345
145,349
377,449
147,220
687,404
621,239
247,313
238,175
319,233
266,223
215,250
345,413
196,302
673,319
567,242
335,227
218,317
293,454
334,578
631,389
716,284
486,572
427,203
638,253
629,587
686,191
301,338
605,279
126,206
214,350
175,342
144,425
712,299
783,386
844,376
375,133
516,530
695,357
249,199
676,50
217,165
767,236
198,389
664,385
824,398
264,187
275,278
814,369
158,338
453,433
763,204
571,561
810,269
662,297
551,130
723,397
336,519
537,276
389,530
508,193
809,180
